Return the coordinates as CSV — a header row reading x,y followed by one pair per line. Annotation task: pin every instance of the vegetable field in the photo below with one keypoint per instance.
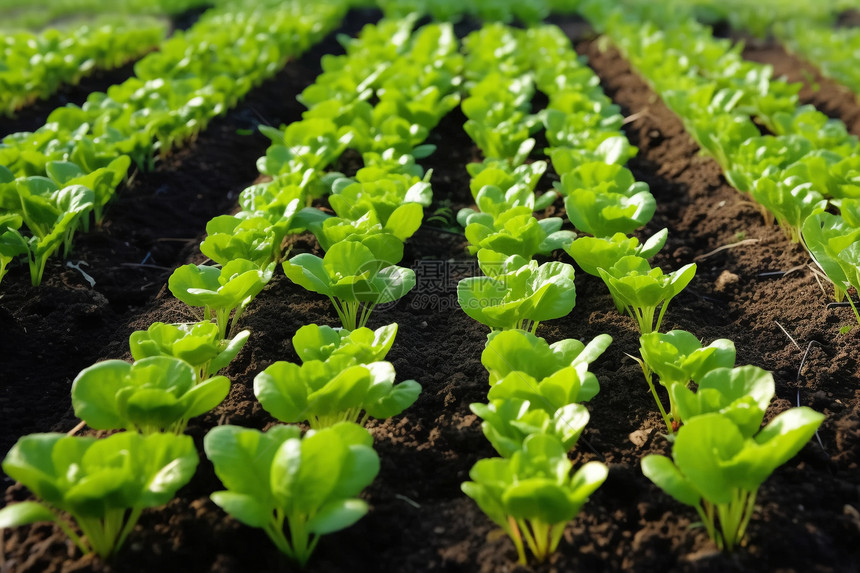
x,y
288,221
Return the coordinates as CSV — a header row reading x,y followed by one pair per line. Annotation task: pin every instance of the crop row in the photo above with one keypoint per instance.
x,y
801,171
15,16
51,180
33,66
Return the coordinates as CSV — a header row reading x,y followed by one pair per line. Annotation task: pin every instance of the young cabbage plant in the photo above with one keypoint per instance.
x,y
295,489
592,253
741,394
603,199
639,290
336,390
717,468
102,484
520,351
516,232
157,394
352,278
313,342
678,357
508,422
517,293
532,495
220,291
198,343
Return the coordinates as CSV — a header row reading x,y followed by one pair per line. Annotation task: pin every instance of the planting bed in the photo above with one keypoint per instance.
x,y
760,293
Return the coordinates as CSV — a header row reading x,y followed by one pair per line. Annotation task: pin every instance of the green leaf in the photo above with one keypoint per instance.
x,y
661,471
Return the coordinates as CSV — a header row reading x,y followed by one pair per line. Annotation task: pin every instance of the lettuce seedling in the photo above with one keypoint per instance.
x,y
306,144
198,344
615,149
789,202
532,495
517,293
385,192
352,278
569,385
385,242
826,236
220,291
508,422
337,390
741,394
519,351
12,243
592,253
102,181
102,484
251,238
603,199
52,215
157,394
515,232
640,290
849,260
313,342
718,469
511,181
678,357
277,479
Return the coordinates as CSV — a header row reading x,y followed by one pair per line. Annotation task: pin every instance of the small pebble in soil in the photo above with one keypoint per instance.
x,y
726,280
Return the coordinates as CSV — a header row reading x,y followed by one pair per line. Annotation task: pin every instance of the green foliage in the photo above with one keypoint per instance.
x,y
103,485
516,232
251,238
353,278
517,293
604,199
741,394
220,291
157,394
519,351
717,468
566,386
508,422
826,237
592,253
678,358
532,495
331,391
313,342
639,290
277,479
196,343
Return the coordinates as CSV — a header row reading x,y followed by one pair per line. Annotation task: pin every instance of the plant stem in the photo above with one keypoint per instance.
x,y
514,533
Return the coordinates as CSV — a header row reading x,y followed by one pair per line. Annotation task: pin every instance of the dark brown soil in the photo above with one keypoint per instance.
x,y
807,516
